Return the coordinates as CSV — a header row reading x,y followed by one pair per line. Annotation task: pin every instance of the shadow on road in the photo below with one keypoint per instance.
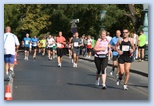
x,y
131,70
143,86
92,86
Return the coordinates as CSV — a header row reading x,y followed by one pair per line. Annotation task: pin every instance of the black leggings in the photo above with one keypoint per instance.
x,y
101,64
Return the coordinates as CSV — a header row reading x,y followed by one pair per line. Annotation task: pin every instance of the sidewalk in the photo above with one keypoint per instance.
x,y
140,68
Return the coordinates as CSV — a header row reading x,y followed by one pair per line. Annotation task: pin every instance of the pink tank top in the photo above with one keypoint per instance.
x,y
102,44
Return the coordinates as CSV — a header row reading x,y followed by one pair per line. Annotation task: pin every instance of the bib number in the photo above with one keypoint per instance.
x,y
76,44
125,48
58,45
27,42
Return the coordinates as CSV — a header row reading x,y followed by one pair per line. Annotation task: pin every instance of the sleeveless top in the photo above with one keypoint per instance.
x,y
125,47
102,44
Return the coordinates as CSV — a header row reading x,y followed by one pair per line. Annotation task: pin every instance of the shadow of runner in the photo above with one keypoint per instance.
x,y
93,86
143,86
131,70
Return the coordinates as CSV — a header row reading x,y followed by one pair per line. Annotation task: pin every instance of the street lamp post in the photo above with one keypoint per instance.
x,y
145,29
73,25
102,16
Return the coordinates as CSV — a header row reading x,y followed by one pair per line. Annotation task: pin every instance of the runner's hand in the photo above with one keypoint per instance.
x,y
120,52
131,51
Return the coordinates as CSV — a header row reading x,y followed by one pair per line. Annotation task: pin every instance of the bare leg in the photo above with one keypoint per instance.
x,y
127,70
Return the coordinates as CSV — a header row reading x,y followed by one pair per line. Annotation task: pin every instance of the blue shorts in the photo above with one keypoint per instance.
x,y
9,58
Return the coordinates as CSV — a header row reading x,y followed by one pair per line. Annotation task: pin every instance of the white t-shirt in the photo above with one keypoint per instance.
x,y
108,38
89,41
135,35
50,42
10,40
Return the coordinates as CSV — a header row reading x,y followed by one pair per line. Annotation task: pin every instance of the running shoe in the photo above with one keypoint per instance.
x,y
97,82
125,87
59,65
118,82
76,65
12,73
104,87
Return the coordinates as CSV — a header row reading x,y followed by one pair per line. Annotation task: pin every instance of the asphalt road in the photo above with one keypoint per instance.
x,y
40,79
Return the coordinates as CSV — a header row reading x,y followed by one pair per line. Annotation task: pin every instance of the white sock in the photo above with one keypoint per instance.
x,y
103,84
7,73
11,68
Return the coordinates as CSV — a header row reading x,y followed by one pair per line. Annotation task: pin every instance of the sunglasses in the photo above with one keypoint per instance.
x,y
125,32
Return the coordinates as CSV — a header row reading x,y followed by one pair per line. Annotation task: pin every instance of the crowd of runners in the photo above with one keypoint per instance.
x,y
123,49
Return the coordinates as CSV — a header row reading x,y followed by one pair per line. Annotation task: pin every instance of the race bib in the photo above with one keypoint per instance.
x,y
58,44
27,42
44,43
125,48
35,44
76,44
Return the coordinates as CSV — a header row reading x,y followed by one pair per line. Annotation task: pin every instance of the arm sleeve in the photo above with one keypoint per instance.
x,y
111,42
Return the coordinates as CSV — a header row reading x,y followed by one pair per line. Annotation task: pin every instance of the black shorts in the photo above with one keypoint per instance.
x,y
43,47
50,48
76,51
26,48
34,47
89,49
60,52
141,47
124,59
115,58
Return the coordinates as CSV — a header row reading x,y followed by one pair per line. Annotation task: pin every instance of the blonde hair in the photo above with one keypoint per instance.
x,y
103,31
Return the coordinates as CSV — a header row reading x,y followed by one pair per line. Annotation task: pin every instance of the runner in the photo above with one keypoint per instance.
x,y
10,40
102,48
27,41
43,43
89,46
34,42
50,42
84,50
61,41
54,48
108,37
125,57
135,38
141,44
70,47
93,45
113,42
76,43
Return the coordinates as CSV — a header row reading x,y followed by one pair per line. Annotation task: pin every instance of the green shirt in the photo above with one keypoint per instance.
x,y
93,43
142,40
43,42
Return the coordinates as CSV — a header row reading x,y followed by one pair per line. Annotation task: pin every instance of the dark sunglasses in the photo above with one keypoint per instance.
x,y
125,32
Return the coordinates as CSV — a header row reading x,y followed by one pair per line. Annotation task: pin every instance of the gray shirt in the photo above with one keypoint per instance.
x,y
76,42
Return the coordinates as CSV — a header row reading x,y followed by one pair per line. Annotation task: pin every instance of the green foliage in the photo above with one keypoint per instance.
x,y
38,19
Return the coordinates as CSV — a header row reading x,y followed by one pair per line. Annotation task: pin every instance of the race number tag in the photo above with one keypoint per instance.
x,y
125,48
58,44
27,42
76,44
34,44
